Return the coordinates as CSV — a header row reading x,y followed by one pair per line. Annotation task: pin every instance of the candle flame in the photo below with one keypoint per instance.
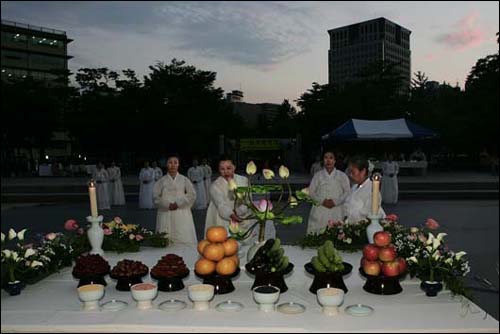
x,y
376,177
92,183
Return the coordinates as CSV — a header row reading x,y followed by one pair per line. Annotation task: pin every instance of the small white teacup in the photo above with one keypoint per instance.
x,y
330,299
266,296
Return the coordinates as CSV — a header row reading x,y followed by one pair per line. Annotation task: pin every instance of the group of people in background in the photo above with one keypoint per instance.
x,y
109,186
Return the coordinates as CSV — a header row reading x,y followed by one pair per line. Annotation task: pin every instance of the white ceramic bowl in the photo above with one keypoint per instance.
x,y
90,295
267,300
330,299
144,297
201,294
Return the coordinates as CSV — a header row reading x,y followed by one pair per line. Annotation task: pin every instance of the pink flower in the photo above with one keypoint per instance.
x,y
412,237
263,204
431,224
332,223
118,220
51,236
392,217
139,237
80,231
341,236
71,225
107,231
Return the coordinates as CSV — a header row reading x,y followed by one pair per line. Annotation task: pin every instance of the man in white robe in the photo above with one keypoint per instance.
x,y
222,210
330,187
358,205
196,175
207,177
101,178
174,195
390,171
147,180
157,170
116,193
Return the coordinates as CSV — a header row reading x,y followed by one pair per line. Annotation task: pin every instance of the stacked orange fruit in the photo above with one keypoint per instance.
x,y
218,253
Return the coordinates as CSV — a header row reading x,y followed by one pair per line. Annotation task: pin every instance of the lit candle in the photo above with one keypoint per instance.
x,y
375,193
93,199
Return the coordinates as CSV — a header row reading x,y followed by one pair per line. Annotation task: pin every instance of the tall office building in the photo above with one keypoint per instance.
x,y
34,51
356,46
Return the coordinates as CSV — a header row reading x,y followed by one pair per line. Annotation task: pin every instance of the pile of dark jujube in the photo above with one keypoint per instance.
x,y
90,265
170,265
129,268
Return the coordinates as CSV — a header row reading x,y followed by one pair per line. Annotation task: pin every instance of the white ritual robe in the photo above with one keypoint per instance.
x,y
179,224
101,177
195,174
116,193
147,180
158,173
221,208
358,205
208,180
324,186
389,188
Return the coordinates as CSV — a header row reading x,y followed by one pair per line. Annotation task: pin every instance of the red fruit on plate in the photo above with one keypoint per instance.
x,y
387,254
390,269
402,265
370,252
382,238
371,268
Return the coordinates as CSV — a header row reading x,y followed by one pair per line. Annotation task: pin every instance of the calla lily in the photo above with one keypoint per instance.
x,y
440,236
20,235
232,185
234,227
430,239
448,261
413,259
29,252
414,230
264,205
15,256
284,172
268,174
459,255
251,168
35,264
3,237
131,236
436,243
12,234
7,253
436,256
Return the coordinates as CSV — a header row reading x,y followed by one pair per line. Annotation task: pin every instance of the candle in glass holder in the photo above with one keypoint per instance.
x,y
93,199
376,194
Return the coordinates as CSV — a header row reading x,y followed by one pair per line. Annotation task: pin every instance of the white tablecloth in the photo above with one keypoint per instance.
x,y
53,305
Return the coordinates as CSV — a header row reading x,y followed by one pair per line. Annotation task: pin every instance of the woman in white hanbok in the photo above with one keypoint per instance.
x,y
174,196
116,193
330,187
222,211
207,178
101,178
390,171
147,180
196,175
358,205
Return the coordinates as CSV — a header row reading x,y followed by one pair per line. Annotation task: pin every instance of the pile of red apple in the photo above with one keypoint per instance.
x,y
381,257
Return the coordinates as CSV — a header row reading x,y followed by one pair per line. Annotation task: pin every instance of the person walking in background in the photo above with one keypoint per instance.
x,y
207,176
390,171
196,175
116,193
147,179
101,178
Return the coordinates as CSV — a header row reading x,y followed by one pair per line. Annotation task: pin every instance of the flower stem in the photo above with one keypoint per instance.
x,y
262,230
12,277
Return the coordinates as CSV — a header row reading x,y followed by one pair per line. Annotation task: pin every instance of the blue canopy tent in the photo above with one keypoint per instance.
x,y
384,130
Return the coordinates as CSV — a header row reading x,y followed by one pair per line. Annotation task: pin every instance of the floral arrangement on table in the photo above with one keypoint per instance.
x,y
345,235
264,210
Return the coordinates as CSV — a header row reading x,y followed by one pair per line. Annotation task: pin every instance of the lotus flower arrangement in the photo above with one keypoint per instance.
x,y
264,210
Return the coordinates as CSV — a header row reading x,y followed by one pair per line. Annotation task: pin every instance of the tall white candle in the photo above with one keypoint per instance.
x,y
93,200
375,193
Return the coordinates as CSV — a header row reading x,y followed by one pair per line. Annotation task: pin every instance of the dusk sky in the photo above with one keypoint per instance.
x,y
272,50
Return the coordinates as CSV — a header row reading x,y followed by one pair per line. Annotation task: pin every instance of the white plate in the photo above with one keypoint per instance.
x,y
291,308
229,306
172,305
359,310
114,305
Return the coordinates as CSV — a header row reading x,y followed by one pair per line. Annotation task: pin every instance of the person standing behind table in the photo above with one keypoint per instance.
x,y
174,195
358,205
117,195
196,174
390,171
316,166
157,170
207,176
147,179
330,187
101,179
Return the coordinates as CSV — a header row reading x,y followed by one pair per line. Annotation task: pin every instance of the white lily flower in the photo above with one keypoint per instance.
x,y
268,174
251,168
284,172
3,237
412,259
35,264
459,255
29,252
15,257
449,261
20,235
436,243
437,255
414,230
441,236
430,239
131,237
348,240
7,253
12,234
429,249
232,185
